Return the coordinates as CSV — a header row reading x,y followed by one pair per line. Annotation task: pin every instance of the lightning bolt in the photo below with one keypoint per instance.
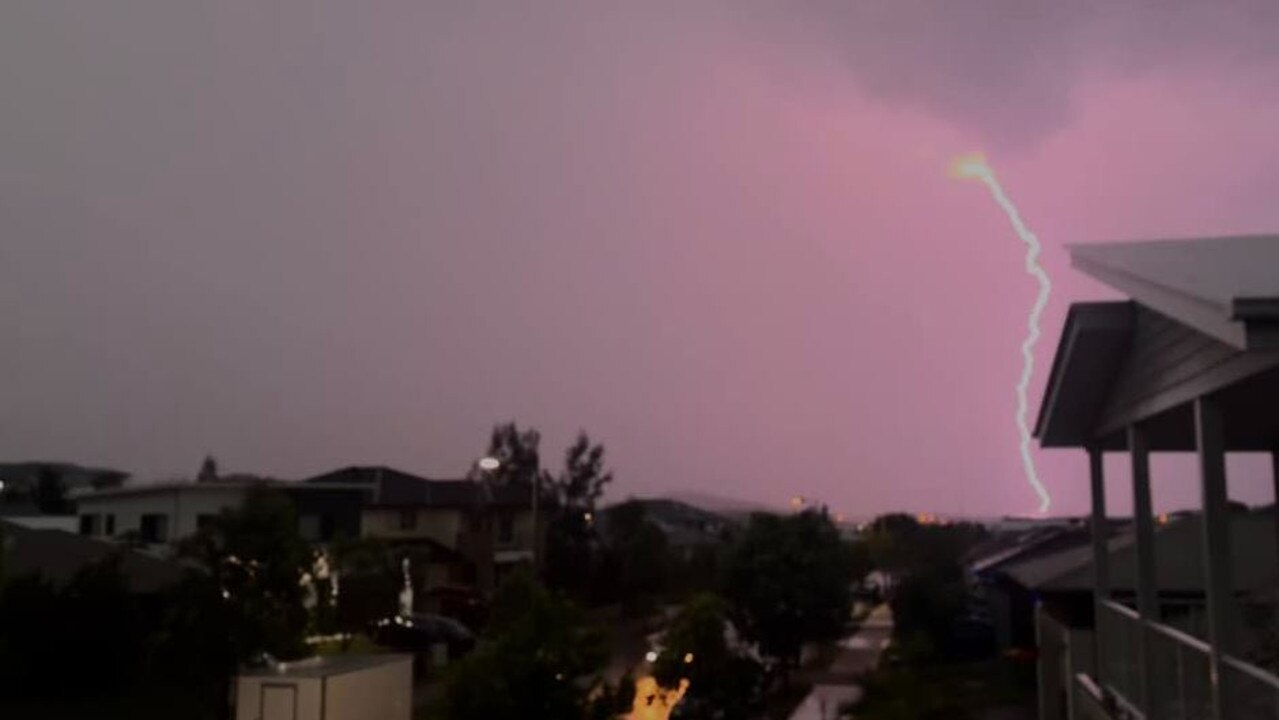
x,y
974,167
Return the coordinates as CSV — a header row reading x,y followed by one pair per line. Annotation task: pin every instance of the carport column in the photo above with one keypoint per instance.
x,y
1147,591
1101,573
1210,439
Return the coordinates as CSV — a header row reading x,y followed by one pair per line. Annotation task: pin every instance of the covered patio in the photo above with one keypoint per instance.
x,y
1190,363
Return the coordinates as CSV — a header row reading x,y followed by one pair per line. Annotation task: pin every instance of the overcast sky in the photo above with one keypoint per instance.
x,y
719,236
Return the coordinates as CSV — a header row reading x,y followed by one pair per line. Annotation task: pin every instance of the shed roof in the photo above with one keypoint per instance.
x,y
58,555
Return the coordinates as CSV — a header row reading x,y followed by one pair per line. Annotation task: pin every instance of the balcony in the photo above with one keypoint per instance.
x,y
1181,670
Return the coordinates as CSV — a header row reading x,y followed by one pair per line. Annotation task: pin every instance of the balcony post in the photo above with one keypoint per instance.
x,y
1101,574
1147,589
1274,465
1210,442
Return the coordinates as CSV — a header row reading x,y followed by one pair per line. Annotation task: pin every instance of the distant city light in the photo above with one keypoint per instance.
x,y
688,658
489,464
588,517
651,656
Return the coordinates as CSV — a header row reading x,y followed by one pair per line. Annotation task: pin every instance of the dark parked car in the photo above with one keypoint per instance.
x,y
419,633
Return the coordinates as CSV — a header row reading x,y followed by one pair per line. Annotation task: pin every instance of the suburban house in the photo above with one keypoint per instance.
x,y
686,527
1048,596
167,512
1190,363
35,494
474,533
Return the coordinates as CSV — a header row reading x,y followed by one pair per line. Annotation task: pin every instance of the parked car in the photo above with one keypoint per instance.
x,y
421,632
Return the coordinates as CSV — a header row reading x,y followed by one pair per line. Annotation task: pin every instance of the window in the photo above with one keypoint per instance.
x,y
477,523
408,519
309,527
154,528
505,528
89,524
109,526
204,520
328,527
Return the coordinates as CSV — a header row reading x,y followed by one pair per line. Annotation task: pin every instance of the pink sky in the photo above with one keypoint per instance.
x,y
721,240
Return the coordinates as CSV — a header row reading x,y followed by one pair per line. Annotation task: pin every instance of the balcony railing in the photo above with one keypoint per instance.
x,y
1181,668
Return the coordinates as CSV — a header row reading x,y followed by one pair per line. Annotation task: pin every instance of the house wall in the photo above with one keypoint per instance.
x,y
441,525
384,692
182,507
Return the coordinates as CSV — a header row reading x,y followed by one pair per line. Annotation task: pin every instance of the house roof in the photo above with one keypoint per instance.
x,y
59,555
1224,287
395,488
1178,558
1029,544
1092,347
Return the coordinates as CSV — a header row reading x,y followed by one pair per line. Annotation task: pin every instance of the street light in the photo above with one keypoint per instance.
x,y
489,464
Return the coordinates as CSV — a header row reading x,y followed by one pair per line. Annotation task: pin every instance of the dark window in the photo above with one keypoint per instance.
x,y
408,519
89,524
204,520
328,527
505,528
309,527
154,528
109,525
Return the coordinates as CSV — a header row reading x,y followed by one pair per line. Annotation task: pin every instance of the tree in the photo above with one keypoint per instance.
x,y
256,559
40,623
570,535
636,565
536,659
208,470
927,562
789,581
722,682
370,580
517,453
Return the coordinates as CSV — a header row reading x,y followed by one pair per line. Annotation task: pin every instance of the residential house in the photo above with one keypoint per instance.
x,y
1189,363
36,494
1051,594
473,533
164,513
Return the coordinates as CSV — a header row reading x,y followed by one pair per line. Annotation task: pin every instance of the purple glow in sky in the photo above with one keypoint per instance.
x,y
718,236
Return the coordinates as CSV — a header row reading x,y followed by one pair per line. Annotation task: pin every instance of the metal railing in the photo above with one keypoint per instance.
x,y
1181,671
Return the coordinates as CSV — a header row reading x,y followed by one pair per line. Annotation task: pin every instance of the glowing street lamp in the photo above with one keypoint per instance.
x,y
489,464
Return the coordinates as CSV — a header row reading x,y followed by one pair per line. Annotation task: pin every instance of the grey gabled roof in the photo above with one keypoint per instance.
x,y
1088,355
1226,287
396,488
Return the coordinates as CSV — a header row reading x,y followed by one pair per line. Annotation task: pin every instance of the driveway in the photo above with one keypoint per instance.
x,y
858,653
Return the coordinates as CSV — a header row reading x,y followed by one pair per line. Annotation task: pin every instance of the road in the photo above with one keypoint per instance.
x,y
837,685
